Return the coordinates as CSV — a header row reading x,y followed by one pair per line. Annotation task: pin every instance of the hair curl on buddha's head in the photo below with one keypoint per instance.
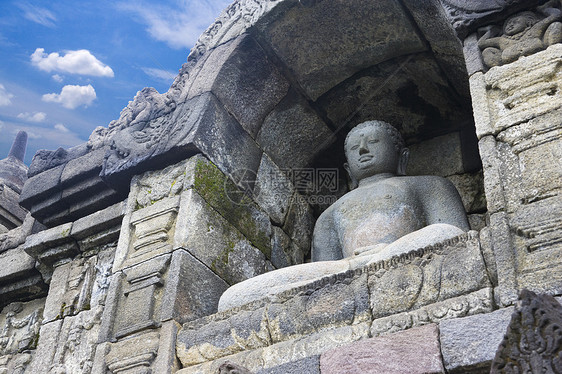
x,y
391,130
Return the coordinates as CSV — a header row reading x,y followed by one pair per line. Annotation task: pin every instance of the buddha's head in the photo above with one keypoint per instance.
x,y
374,147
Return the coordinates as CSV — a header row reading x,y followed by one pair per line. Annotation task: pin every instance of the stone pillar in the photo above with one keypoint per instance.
x,y
515,82
183,242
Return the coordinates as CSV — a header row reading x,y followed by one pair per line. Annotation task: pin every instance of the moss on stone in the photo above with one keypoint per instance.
x,y
212,185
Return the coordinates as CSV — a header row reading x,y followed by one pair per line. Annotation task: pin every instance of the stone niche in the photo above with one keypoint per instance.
x,y
222,177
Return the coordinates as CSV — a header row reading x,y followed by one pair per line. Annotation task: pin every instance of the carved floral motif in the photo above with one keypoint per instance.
x,y
533,342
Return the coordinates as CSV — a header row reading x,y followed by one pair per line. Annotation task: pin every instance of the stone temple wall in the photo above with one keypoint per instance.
x,y
132,237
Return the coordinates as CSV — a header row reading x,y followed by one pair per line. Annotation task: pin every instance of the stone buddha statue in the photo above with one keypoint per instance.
x,y
386,215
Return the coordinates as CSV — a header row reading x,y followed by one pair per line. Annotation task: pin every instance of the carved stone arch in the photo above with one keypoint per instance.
x,y
275,85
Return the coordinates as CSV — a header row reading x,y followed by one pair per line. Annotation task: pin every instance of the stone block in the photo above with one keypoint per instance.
x,y
79,285
524,89
98,221
244,80
40,186
474,303
334,301
438,156
46,346
287,355
327,55
411,351
472,55
86,165
20,326
301,129
199,125
192,289
493,178
300,222
76,343
166,359
426,276
211,239
471,190
280,248
139,302
133,355
15,264
273,190
222,335
502,244
52,245
470,343
228,200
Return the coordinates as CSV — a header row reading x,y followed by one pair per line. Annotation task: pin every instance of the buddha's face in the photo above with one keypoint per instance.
x,y
371,151
515,25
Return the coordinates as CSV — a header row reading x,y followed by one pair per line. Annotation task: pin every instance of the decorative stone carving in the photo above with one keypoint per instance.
x,y
467,15
532,342
139,304
134,355
19,326
523,34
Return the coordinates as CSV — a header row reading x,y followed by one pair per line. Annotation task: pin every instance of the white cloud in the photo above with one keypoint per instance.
x,y
159,74
5,96
61,127
179,25
57,78
35,117
37,14
72,96
73,62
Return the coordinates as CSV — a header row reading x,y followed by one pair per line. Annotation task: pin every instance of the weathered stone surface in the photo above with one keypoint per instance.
x,y
431,275
166,359
215,242
15,263
439,156
135,354
523,34
139,301
79,285
327,56
191,128
17,236
216,336
76,343
183,300
40,186
228,200
412,351
525,89
52,245
12,214
502,244
20,326
470,343
280,248
46,346
471,189
300,222
291,354
466,16
244,80
273,190
333,302
531,341
474,303
44,160
409,92
303,132
98,221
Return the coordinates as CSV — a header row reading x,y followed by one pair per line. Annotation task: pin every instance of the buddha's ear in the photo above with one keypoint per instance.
x,y
403,161
354,183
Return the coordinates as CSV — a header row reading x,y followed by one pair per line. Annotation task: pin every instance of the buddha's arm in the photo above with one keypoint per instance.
x,y
442,203
325,242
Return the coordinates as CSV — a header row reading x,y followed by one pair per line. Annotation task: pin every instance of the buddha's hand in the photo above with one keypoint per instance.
x,y
369,249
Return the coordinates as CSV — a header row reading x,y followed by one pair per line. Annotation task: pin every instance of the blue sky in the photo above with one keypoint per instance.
x,y
68,66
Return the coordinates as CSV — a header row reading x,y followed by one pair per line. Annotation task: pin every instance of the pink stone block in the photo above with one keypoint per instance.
x,y
414,351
